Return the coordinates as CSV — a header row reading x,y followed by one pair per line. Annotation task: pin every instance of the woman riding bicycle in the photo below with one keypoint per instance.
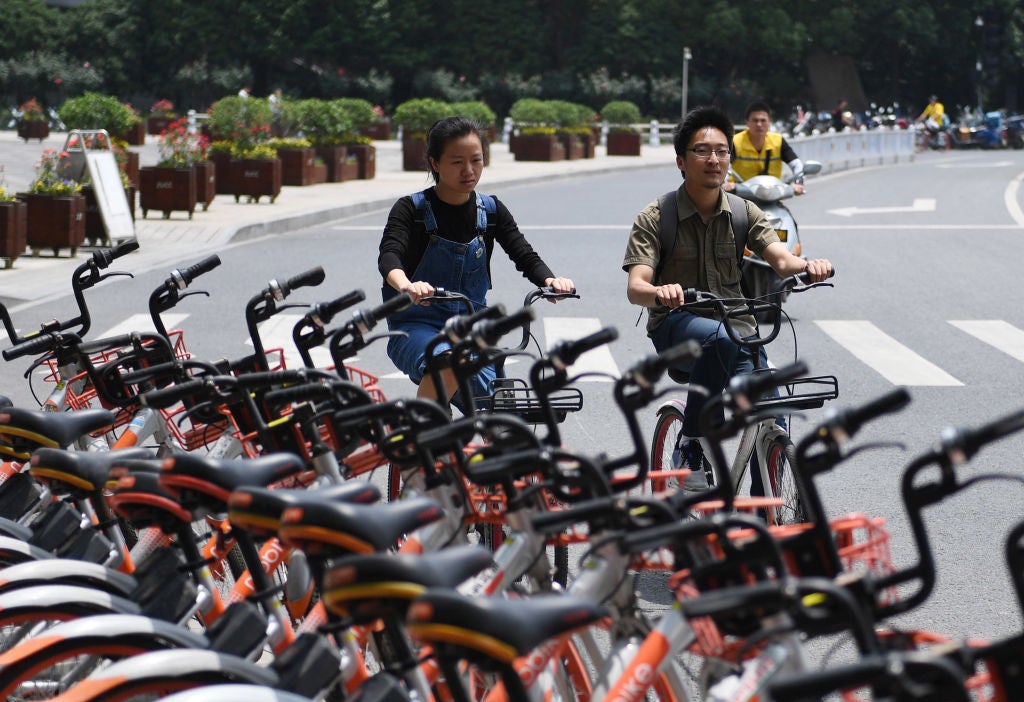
x,y
704,256
443,237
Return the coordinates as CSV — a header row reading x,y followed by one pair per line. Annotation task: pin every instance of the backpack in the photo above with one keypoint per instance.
x,y
485,210
670,221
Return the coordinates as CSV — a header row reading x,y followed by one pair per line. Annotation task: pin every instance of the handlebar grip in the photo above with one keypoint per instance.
x,y
458,327
165,397
111,342
488,332
559,520
298,393
754,385
653,366
265,379
205,266
312,277
327,310
805,278
970,441
570,351
395,304
852,420
105,257
32,347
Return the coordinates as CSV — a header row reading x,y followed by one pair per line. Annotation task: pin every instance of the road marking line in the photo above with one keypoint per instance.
x,y
921,204
995,332
598,360
1010,198
894,361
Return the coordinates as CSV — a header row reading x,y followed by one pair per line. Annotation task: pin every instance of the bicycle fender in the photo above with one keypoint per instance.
x,y
674,403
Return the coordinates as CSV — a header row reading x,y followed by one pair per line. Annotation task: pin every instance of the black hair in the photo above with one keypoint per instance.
x,y
443,131
757,107
696,119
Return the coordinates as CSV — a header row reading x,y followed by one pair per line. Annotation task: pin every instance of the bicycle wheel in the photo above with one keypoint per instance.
x,y
781,459
666,434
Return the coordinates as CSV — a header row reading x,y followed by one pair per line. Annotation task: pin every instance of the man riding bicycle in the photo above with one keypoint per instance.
x,y
703,257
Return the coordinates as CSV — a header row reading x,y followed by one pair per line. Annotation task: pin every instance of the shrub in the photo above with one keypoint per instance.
x,y
245,121
418,115
570,114
477,111
533,111
323,122
95,111
359,113
620,112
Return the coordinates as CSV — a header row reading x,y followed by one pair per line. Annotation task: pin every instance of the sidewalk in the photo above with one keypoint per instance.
x,y
165,241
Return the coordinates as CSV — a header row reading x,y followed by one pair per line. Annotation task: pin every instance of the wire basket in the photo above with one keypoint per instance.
x,y
514,396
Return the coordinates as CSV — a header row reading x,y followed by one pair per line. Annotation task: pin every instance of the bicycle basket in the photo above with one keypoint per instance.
x,y
514,396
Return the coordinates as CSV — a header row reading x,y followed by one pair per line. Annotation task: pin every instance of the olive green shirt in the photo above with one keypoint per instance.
x,y
704,256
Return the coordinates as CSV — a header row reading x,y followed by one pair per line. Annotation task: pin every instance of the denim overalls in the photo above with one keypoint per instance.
x,y
445,264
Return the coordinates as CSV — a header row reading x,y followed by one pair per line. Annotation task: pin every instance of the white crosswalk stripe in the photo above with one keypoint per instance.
x,y
142,323
276,332
995,332
890,358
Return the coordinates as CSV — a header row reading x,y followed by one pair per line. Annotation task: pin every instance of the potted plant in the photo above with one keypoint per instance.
x,y
326,125
170,185
380,128
220,156
534,127
623,138
32,121
95,111
245,122
416,117
360,115
479,112
55,206
161,114
571,126
297,160
13,225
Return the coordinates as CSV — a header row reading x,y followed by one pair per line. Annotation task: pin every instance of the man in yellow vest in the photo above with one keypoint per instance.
x,y
758,151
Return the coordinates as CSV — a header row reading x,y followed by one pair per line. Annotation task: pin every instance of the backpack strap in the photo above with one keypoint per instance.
x,y
738,217
486,207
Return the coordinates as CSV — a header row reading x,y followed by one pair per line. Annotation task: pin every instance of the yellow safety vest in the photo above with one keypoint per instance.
x,y
750,162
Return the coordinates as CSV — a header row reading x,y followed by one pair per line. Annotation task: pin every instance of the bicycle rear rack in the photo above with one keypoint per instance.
x,y
804,393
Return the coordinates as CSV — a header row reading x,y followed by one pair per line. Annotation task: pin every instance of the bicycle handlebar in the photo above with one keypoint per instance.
x,y
565,353
34,345
310,278
487,332
187,275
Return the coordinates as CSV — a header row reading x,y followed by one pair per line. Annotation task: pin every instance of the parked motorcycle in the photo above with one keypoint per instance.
x,y
988,132
768,193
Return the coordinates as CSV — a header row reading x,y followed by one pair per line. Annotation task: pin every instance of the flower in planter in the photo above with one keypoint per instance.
x,y
49,180
289,143
179,147
255,151
162,108
31,111
5,194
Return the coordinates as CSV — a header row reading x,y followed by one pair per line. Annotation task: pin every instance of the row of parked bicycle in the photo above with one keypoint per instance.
x,y
220,530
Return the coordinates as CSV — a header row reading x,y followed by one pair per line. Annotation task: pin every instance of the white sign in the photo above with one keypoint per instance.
x,y
110,195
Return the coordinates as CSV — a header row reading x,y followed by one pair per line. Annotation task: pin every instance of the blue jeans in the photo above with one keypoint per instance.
x,y
721,360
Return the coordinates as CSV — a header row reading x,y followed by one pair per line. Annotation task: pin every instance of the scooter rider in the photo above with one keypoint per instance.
x,y
934,118
758,151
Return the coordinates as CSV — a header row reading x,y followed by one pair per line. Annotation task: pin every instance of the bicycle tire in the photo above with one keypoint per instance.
x,y
781,457
666,433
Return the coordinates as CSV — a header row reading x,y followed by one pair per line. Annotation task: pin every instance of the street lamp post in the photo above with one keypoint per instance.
x,y
686,78
979,25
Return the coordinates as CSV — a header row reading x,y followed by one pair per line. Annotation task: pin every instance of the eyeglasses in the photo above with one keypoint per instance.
x,y
704,153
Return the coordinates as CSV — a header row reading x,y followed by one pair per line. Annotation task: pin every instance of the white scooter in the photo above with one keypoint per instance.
x,y
768,193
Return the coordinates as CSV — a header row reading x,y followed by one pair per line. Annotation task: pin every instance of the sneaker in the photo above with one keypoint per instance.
x,y
690,455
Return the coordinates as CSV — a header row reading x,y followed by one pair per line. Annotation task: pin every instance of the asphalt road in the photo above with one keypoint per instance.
x,y
925,296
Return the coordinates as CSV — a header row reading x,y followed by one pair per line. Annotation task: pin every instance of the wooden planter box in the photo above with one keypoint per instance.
x,y
136,134
319,172
539,147
131,167
33,129
258,177
206,183
54,222
573,145
95,230
590,142
366,155
380,130
350,168
167,189
13,230
155,125
223,166
414,155
334,158
297,166
623,144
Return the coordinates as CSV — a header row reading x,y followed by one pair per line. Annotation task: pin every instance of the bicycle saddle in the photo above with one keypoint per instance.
x,y
77,472
258,509
23,430
204,484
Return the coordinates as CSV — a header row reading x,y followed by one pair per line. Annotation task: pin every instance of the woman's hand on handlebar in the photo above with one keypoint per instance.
x,y
418,290
559,285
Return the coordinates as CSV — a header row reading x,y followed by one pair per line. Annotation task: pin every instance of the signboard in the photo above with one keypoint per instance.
x,y
110,195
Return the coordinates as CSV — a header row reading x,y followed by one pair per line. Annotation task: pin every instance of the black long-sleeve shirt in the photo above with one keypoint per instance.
x,y
405,239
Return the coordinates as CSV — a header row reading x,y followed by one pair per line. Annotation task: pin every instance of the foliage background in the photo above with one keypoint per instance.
x,y
590,51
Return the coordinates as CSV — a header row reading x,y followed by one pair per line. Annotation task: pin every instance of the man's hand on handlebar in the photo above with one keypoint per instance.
x,y
818,269
671,295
